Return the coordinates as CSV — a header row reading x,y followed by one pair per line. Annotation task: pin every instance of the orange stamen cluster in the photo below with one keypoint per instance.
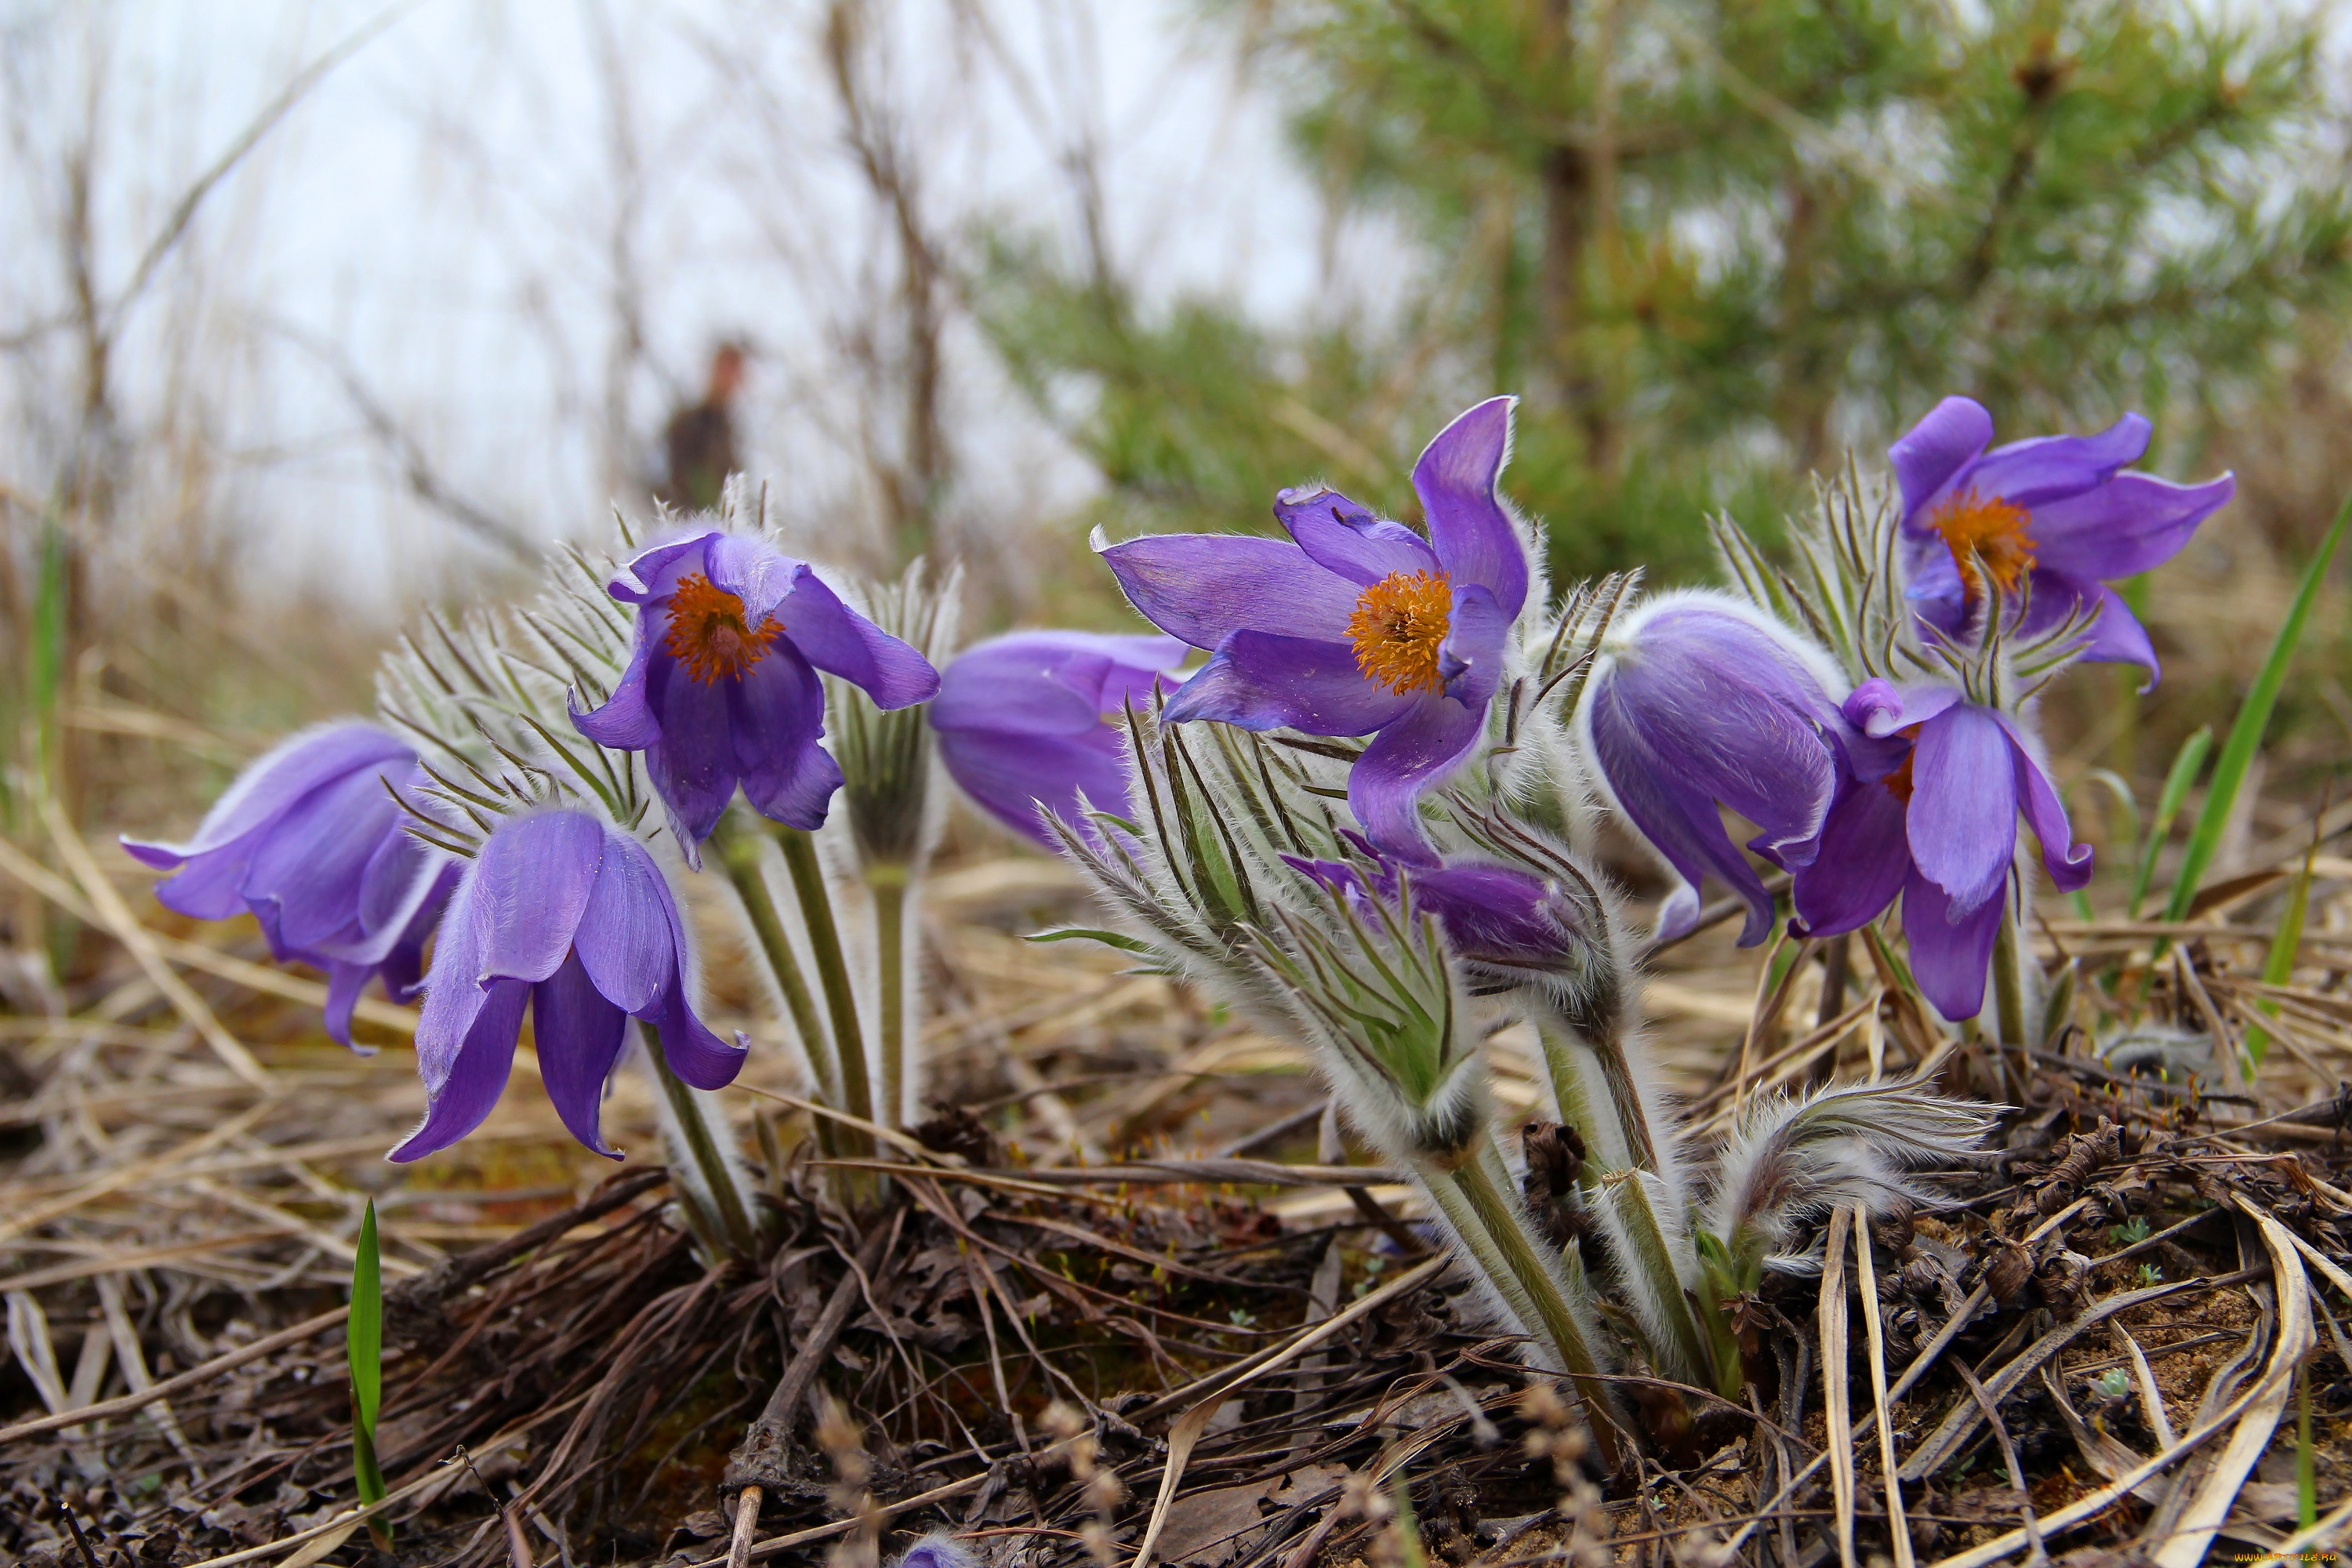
x,y
707,634
1990,531
1399,625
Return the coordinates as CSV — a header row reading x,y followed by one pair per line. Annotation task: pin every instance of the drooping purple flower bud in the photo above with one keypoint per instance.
x,y
1032,718
937,1550
722,685
1699,701
1935,819
571,917
2052,516
310,843
1356,627
1502,920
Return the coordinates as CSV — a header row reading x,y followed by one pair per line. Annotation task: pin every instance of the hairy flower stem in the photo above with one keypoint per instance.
x,y
1647,1238
2009,993
732,1220
1561,1042
738,853
832,968
1495,1230
890,886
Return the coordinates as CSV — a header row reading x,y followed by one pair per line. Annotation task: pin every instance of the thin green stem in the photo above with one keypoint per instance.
x,y
732,1220
832,967
1506,1228
2008,991
738,854
890,886
1607,1045
1653,1260
1568,1090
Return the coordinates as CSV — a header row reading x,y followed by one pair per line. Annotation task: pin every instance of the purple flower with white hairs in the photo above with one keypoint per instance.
x,y
309,841
937,1550
1697,701
1498,918
1356,627
723,685
1030,719
2054,516
573,917
1933,818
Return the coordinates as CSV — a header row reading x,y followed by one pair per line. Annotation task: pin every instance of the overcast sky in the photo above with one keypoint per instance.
x,y
434,221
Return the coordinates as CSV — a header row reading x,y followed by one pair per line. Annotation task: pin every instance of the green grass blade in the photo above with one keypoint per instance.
x,y
2246,734
47,666
2279,967
2186,765
364,1340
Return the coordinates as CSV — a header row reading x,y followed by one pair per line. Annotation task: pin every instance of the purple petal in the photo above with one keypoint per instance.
x,y
1682,825
578,1036
454,991
401,879
1202,588
1009,774
1496,914
2117,637
1950,948
2030,473
625,722
1962,823
530,885
275,781
1861,864
693,1052
693,764
1340,536
312,862
1050,682
2068,863
626,939
1405,759
1879,709
344,982
1261,681
777,712
653,573
754,571
1935,451
839,641
477,1074
1730,714
1470,661
1473,536
2127,525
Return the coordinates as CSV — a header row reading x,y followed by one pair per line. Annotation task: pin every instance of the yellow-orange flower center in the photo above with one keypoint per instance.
x,y
1399,624
707,634
1989,530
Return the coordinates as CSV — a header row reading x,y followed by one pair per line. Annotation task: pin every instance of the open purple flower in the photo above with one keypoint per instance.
x,y
310,843
2054,516
1356,627
1698,702
723,688
1935,819
573,917
1498,918
1032,718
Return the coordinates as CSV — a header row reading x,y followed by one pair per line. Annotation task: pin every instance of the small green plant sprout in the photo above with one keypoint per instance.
x,y
2113,1383
2132,1231
2149,1274
364,1340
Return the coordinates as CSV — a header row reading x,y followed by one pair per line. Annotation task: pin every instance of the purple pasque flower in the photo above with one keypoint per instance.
x,y
1030,719
1930,813
309,841
1498,918
573,917
1698,702
723,686
2054,517
1355,626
